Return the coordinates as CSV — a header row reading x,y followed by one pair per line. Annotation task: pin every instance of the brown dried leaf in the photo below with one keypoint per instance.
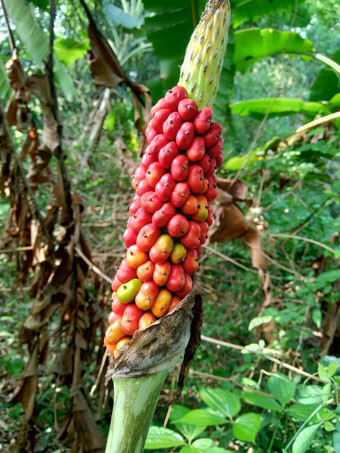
x,y
159,346
105,68
237,189
40,87
39,172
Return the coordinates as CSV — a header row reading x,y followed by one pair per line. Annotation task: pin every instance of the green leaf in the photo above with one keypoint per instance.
x,y
162,438
246,427
5,87
309,394
69,50
237,162
322,372
259,108
282,388
253,44
327,82
15,366
221,401
189,431
336,438
201,417
301,411
35,41
266,402
251,10
259,321
120,17
304,439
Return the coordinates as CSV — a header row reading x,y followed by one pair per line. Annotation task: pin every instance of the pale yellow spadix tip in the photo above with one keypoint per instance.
x,y
202,66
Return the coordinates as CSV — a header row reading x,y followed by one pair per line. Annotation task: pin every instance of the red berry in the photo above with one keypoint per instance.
x,y
178,226
172,125
213,134
161,217
147,236
165,187
203,120
157,144
158,119
185,135
143,187
187,108
215,150
180,168
180,194
196,150
192,238
139,219
154,173
167,154
190,263
129,237
151,202
150,134
160,105
195,178
176,278
174,96
186,288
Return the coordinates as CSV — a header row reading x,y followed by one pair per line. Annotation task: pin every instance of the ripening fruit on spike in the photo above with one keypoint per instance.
x,y
147,295
174,96
125,273
136,257
120,344
154,173
140,219
127,292
161,305
190,207
157,144
204,231
158,119
203,120
161,217
167,154
205,187
174,302
212,168
171,125
116,284
219,160
188,109
135,204
129,237
211,192
150,202
165,187
130,319
146,320
202,212
115,332
178,254
143,187
110,347
192,238
145,271
161,273
185,135
162,249
187,287
147,159
217,148
180,194
213,134
196,150
112,317
150,134
140,172
190,263
116,306
209,219
178,226
195,178
176,278
180,168
205,163
158,106
147,236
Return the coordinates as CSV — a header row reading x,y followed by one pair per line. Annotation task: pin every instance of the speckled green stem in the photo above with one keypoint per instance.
x,y
134,404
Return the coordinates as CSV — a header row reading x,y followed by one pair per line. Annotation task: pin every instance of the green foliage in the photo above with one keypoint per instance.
x,y
254,44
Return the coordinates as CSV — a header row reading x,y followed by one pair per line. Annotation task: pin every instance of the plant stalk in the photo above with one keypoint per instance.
x,y
134,405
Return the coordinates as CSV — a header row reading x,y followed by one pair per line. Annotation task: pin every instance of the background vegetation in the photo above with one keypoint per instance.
x,y
270,382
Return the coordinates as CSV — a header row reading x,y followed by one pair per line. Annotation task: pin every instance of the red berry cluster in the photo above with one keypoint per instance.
x,y
170,215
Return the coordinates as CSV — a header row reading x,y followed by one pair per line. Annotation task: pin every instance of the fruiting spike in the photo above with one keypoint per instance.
x,y
203,61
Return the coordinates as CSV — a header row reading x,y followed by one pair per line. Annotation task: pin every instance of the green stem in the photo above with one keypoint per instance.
x,y
134,404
